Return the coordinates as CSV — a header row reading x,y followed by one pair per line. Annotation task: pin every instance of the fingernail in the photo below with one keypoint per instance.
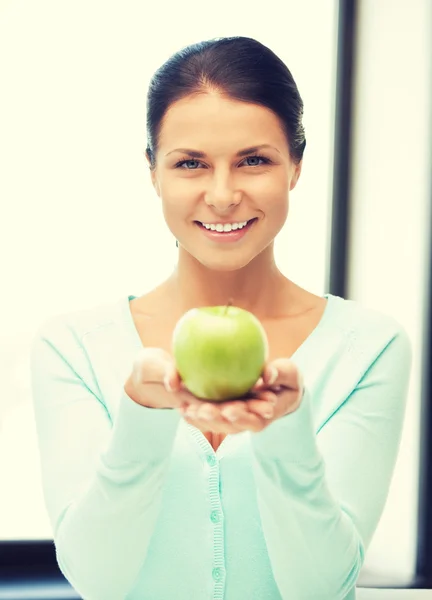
x,y
230,417
301,382
268,414
205,417
259,383
167,384
273,375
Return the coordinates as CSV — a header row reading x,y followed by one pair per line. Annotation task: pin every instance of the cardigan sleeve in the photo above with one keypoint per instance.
x,y
102,481
321,495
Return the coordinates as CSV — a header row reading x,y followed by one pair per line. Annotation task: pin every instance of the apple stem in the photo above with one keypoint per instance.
x,y
230,302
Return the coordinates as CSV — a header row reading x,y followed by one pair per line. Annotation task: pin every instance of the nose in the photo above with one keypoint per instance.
x,y
222,199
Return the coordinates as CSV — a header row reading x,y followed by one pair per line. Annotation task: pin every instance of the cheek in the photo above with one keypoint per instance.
x,y
275,206
270,192
275,215
172,212
175,200
177,195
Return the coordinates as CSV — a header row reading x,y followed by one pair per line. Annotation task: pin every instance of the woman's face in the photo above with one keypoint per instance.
x,y
221,186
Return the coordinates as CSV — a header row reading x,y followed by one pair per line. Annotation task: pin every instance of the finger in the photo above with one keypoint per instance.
x,y
258,385
238,412
284,372
265,406
213,427
151,364
177,400
245,420
172,379
183,408
232,418
262,397
206,418
216,414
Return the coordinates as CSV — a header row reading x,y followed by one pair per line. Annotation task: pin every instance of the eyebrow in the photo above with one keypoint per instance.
x,y
244,152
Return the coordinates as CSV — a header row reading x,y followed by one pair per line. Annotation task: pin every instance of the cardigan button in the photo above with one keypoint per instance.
x,y
215,516
211,459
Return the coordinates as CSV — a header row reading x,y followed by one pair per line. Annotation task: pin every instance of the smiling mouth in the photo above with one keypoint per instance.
x,y
226,236
249,222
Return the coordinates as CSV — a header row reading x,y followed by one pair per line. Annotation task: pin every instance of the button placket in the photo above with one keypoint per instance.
x,y
217,518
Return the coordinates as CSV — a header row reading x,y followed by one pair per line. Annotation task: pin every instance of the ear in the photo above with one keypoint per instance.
x,y
153,175
296,175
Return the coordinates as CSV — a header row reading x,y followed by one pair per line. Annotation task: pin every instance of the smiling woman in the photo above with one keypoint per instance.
x,y
225,147
196,93
146,504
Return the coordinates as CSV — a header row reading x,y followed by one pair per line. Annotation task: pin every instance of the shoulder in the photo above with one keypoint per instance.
x,y
71,327
360,337
366,326
351,317
90,343
361,347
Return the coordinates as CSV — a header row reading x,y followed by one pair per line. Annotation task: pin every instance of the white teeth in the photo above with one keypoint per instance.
x,y
226,227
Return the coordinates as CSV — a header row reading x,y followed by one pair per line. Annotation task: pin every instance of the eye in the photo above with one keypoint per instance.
x,y
265,160
182,162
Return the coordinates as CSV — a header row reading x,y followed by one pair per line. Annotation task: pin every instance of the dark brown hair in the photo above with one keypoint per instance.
x,y
239,68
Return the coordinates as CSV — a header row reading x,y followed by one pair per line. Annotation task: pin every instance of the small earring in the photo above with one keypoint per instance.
x,y
177,243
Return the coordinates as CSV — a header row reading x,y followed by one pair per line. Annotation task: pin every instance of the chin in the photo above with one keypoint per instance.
x,y
224,263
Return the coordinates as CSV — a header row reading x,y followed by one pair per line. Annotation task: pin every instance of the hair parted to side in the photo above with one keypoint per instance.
x,y
239,68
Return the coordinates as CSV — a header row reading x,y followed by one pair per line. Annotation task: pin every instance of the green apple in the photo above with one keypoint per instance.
x,y
219,351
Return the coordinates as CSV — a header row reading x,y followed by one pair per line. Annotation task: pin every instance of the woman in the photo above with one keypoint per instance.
x,y
148,504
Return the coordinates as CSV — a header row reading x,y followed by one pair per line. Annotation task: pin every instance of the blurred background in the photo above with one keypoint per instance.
x,y
76,200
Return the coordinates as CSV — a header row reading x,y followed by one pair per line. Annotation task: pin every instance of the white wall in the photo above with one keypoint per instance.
x,y
77,200
75,185
390,229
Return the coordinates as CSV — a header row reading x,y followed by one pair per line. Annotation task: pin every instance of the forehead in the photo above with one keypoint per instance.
x,y
211,117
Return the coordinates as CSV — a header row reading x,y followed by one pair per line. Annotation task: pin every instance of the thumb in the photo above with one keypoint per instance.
x,y
154,365
172,379
284,372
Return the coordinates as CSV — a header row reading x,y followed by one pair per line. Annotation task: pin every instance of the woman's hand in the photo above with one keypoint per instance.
x,y
155,383
146,385
277,393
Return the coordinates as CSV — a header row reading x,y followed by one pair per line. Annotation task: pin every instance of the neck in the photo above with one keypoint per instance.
x,y
258,286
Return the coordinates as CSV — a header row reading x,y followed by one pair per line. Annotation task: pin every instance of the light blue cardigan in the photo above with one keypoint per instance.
x,y
141,506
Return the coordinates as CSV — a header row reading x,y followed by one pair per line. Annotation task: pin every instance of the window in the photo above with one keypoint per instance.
x,y
77,189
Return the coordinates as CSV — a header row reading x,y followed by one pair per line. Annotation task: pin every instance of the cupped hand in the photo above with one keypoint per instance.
x,y
278,392
146,384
